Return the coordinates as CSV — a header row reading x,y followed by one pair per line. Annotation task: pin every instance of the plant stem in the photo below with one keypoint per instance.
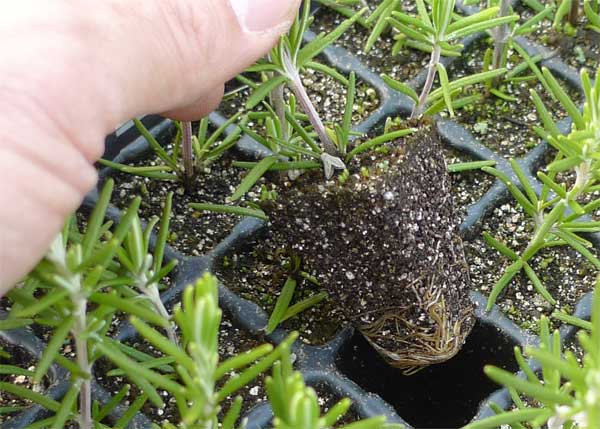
x,y
574,13
151,291
73,284
81,348
583,173
431,73
501,37
154,295
187,151
304,100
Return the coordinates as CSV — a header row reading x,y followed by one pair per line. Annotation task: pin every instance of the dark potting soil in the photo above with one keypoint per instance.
x,y
402,67
328,398
387,249
582,50
467,186
9,403
192,233
258,271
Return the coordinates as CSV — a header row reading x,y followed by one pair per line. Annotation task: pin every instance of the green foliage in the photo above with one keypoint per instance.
x,y
284,311
459,167
558,211
592,12
438,31
296,406
295,148
377,21
73,274
283,67
504,38
567,395
196,361
143,270
176,165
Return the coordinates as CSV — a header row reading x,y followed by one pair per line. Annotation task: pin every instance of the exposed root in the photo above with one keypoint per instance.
x,y
416,347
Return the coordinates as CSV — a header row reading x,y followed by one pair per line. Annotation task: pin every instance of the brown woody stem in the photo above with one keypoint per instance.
x,y
187,152
304,100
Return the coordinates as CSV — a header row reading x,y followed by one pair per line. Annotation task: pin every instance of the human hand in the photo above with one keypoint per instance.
x,y
71,72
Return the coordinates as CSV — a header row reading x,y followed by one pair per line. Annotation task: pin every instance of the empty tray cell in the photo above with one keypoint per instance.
x,y
441,396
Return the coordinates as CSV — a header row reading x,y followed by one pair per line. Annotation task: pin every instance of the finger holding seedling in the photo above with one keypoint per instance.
x,y
73,71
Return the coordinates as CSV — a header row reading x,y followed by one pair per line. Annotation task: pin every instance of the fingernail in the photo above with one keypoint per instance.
x,y
258,16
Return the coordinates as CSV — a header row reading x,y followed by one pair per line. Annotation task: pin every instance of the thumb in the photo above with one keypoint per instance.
x,y
72,71
186,49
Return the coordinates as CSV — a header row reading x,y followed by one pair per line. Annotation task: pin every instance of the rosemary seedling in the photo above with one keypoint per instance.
x,y
439,32
144,270
190,155
566,10
504,35
286,61
191,372
296,406
566,395
57,294
558,211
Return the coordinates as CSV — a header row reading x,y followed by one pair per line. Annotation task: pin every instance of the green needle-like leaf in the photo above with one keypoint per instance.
x,y
52,349
253,177
96,220
282,304
264,90
64,413
535,390
506,278
240,211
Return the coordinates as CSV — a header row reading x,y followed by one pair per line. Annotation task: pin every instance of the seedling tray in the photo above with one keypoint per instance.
x,y
448,395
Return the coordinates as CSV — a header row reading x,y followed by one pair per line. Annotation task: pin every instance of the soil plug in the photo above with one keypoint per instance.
x,y
386,247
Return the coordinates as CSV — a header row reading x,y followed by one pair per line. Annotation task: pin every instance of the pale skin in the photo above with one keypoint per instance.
x,y
73,71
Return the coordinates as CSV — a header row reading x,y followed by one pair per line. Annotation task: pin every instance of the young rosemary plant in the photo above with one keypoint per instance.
x,y
58,294
284,65
143,270
299,150
558,212
439,32
190,155
567,395
503,36
560,11
296,406
193,372
283,310
566,10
